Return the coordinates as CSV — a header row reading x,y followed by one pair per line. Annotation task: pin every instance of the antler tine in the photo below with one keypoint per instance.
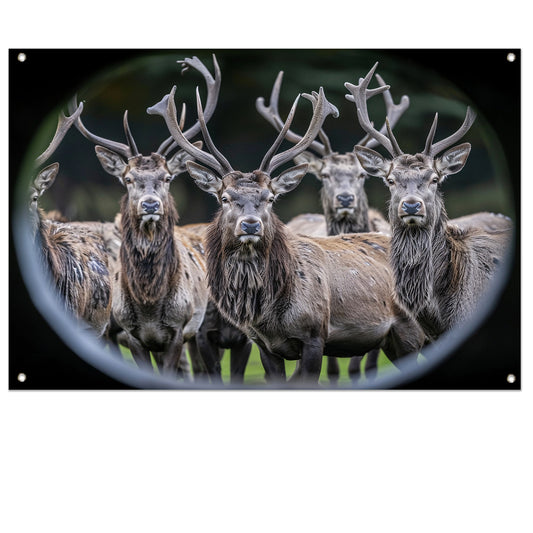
x,y
433,149
431,135
392,138
321,109
208,141
120,148
168,144
213,90
279,139
360,94
393,112
271,114
166,108
63,125
129,136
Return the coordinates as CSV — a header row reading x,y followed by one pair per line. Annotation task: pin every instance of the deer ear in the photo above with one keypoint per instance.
x,y
373,163
46,178
453,160
288,179
177,164
314,162
111,162
204,177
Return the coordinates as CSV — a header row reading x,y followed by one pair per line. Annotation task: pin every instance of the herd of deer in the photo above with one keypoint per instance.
x,y
342,284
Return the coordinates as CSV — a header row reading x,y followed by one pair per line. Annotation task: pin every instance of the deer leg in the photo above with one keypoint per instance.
x,y
333,370
274,366
169,360
208,352
184,367
211,358
312,352
140,354
240,354
405,337
354,368
198,367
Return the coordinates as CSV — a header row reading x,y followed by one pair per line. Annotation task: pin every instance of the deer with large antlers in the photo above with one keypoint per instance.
x,y
440,269
160,294
297,298
74,256
344,199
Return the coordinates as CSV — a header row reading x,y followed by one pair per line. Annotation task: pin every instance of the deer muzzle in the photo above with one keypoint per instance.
x,y
249,229
150,208
412,210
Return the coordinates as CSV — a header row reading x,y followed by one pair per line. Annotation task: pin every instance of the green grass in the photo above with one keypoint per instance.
x,y
255,374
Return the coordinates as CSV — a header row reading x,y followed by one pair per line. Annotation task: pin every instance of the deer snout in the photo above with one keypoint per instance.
x,y
345,200
249,227
411,209
150,205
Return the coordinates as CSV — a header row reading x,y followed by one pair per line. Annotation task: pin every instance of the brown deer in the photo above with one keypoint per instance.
x,y
74,257
159,290
297,298
440,269
344,199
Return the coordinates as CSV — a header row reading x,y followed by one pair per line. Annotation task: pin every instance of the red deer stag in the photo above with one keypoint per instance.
x,y
297,298
440,269
344,199
160,291
74,256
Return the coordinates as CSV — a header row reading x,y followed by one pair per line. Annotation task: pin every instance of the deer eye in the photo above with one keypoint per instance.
x,y
167,178
435,179
324,175
271,199
390,181
224,199
127,179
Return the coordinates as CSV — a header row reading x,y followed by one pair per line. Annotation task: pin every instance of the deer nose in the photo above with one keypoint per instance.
x,y
250,227
345,199
150,206
411,209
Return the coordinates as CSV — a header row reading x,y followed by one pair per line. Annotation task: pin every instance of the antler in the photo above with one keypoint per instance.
x,y
360,94
321,109
213,90
126,150
271,114
166,108
63,125
130,150
393,112
433,149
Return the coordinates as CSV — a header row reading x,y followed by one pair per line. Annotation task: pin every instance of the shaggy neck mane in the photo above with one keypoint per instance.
x,y
357,222
250,281
149,260
420,257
